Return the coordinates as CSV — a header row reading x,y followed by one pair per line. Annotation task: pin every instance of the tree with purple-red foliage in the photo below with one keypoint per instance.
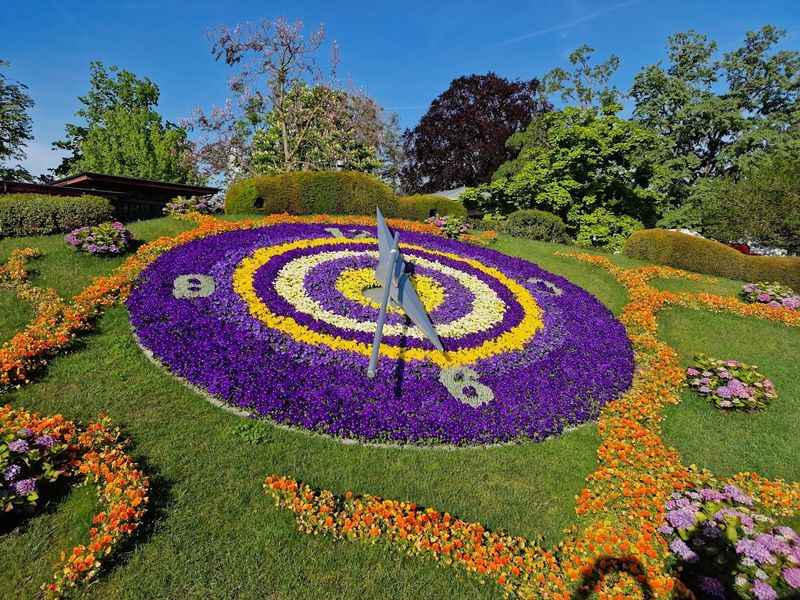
x,y
461,140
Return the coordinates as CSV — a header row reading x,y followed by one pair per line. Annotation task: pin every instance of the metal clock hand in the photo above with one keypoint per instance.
x,y
397,286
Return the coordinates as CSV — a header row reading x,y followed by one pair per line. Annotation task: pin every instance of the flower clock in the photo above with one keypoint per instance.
x,y
281,321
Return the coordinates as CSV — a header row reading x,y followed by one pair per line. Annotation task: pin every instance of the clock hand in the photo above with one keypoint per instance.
x,y
394,255
392,271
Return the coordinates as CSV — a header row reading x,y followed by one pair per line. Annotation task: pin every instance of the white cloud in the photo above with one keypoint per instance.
x,y
569,24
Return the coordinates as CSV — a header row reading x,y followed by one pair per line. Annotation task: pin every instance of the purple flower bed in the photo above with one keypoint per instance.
x,y
579,359
27,460
724,548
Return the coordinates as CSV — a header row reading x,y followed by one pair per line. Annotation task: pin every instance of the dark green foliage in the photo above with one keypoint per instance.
x,y
763,204
308,193
535,224
713,128
575,161
686,217
683,251
35,214
421,206
603,229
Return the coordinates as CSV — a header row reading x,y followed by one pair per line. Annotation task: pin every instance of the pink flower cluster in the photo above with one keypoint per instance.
x,y
772,294
730,384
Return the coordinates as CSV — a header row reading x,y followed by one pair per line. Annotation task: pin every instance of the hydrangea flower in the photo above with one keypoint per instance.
x,y
19,446
679,547
764,591
45,441
792,577
12,472
25,486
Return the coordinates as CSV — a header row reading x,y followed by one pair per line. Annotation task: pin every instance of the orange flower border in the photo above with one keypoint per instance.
x,y
615,549
97,455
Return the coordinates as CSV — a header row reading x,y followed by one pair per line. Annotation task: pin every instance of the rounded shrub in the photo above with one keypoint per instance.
x,y
535,224
423,206
40,214
312,192
691,253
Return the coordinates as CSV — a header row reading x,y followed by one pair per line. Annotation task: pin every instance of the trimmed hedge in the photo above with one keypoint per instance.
x,y
687,252
419,207
310,193
40,214
533,224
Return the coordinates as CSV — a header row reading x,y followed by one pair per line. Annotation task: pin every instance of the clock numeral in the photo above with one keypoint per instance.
x,y
463,384
355,234
551,287
194,285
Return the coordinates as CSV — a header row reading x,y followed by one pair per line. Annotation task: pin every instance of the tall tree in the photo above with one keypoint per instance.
x,y
288,113
15,126
109,88
576,161
586,86
136,143
461,140
344,134
713,130
123,134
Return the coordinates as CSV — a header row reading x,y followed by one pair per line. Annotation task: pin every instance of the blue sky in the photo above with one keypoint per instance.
x,y
402,53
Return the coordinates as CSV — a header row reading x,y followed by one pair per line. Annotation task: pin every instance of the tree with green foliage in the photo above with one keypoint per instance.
x,y
287,114
329,129
762,203
123,134
15,126
714,131
586,86
576,161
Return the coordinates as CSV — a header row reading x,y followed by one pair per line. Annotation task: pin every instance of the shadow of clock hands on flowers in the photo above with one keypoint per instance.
x,y
607,566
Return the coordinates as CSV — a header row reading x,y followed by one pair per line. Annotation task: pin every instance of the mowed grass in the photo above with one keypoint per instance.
x,y
766,442
212,532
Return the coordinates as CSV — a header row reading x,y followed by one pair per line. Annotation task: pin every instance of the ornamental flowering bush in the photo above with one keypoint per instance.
x,y
35,449
450,226
771,293
28,461
722,545
730,384
206,205
105,239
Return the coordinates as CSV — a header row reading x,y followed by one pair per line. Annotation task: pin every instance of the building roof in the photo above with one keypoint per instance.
x,y
100,181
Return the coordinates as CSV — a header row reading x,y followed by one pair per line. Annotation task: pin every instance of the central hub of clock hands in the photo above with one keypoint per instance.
x,y
393,273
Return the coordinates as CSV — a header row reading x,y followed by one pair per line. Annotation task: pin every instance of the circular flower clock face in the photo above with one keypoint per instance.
x,y
280,321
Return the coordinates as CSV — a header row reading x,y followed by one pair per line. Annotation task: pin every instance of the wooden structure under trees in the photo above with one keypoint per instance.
x,y
133,198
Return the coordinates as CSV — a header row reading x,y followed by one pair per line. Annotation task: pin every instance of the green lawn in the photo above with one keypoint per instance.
x,y
213,533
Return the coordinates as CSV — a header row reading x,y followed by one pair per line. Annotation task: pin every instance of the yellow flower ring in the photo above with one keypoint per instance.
x,y
352,282
513,339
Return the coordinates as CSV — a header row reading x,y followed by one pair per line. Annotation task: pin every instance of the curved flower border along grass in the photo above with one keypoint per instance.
x,y
615,550
97,454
